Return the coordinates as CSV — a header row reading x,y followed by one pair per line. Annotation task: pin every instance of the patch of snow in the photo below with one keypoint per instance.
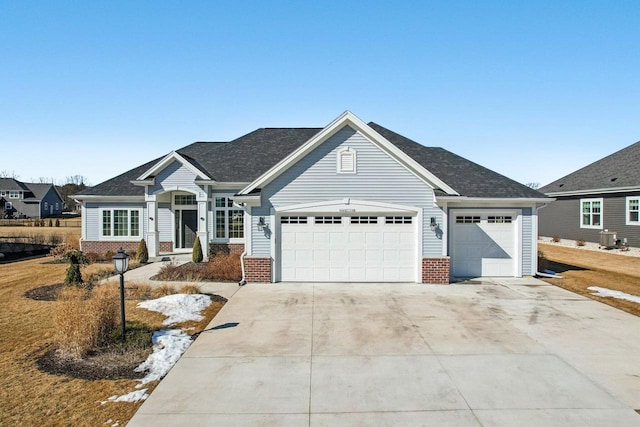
x,y
604,292
168,346
178,307
134,396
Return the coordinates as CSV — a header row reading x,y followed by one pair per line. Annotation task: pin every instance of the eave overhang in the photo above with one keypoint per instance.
x,y
593,191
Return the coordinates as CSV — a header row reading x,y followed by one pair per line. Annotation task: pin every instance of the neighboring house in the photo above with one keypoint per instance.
x,y
604,195
29,200
350,202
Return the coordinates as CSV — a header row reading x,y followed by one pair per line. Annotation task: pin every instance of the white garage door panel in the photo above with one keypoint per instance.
x,y
347,252
484,248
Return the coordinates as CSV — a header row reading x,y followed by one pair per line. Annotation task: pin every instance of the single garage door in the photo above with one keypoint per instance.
x,y
348,248
483,245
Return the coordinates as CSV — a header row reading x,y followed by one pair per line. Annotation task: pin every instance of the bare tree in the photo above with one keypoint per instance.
x,y
76,180
534,185
5,174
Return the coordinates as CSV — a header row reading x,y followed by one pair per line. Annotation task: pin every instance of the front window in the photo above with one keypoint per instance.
x,y
229,221
591,213
14,194
121,222
633,210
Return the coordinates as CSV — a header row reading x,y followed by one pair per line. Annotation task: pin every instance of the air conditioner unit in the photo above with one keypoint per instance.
x,y
608,239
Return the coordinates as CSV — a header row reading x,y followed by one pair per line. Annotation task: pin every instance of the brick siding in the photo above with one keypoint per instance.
x,y
226,248
257,269
102,248
436,270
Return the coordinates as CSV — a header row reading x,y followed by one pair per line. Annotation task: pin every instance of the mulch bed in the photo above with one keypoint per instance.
x,y
45,293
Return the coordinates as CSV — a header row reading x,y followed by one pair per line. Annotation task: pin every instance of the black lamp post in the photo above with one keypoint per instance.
x,y
121,264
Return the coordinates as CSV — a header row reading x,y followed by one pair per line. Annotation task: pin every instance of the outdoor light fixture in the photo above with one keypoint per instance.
x,y
121,264
433,224
261,223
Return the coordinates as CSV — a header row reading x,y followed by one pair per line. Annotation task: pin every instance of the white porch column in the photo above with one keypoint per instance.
x,y
203,228
153,243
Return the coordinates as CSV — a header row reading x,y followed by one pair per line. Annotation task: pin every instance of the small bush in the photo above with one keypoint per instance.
x,y
55,239
162,291
50,223
224,267
73,275
141,292
92,257
580,242
196,255
142,255
57,222
555,239
84,321
108,256
543,263
189,289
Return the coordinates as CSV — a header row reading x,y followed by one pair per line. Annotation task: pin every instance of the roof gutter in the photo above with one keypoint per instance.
x,y
593,191
495,199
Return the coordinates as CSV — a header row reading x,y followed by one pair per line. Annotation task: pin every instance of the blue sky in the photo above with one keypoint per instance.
x,y
533,90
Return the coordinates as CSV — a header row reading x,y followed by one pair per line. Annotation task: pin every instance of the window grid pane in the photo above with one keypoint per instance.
x,y
135,223
120,222
236,224
106,223
220,224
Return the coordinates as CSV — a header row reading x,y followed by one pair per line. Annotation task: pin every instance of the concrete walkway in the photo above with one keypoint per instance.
x,y
512,352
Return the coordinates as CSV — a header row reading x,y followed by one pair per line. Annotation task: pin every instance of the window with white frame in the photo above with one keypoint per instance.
x,y
8,206
229,220
14,194
347,160
46,206
121,222
591,213
633,210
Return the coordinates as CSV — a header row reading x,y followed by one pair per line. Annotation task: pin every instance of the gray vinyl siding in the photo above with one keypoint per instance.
x,y
562,218
379,178
91,216
165,223
527,242
175,175
260,242
51,198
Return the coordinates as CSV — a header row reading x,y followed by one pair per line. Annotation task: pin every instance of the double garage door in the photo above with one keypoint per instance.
x,y
348,248
483,244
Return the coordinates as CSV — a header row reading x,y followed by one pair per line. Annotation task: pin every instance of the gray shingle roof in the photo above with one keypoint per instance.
x,y
12,184
620,169
248,157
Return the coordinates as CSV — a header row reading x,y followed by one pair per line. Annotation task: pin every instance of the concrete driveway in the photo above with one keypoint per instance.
x,y
512,352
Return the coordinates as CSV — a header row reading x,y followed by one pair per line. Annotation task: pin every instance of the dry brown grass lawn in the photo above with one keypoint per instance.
x,y
31,397
584,268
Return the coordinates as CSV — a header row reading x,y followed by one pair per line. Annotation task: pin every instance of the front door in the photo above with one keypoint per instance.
x,y
186,228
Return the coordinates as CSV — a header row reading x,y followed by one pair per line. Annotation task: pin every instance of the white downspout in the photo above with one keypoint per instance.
x,y
242,281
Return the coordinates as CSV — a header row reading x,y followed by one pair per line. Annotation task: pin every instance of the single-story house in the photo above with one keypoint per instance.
x,y
29,199
604,195
350,202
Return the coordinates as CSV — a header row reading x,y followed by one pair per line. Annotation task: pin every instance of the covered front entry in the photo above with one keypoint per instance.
x,y
186,222
484,244
357,248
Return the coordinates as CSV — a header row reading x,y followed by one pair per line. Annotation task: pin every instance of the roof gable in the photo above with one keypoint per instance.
x,y
348,119
189,163
617,171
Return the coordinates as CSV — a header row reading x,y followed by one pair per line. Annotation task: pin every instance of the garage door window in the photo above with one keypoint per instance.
x,y
499,220
328,220
364,220
467,220
293,220
397,220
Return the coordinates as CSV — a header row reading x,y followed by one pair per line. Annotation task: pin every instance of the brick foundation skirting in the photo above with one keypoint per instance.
x,y
166,246
257,270
102,248
226,248
436,270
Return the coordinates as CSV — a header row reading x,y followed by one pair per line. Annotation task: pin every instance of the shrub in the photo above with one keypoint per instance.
x,y
543,263
50,223
196,256
57,222
141,292
224,267
580,242
189,289
72,241
108,256
555,239
84,321
92,257
73,274
142,255
55,239
162,291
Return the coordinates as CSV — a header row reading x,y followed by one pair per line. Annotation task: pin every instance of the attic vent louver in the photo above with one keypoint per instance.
x,y
613,179
560,185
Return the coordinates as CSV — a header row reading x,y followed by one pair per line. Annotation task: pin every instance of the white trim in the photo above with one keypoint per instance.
x,y
591,200
626,210
593,191
348,119
94,198
111,237
166,161
348,205
273,246
214,208
354,161
462,200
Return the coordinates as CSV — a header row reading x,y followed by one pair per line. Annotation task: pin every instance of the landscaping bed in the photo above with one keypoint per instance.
x,y
583,269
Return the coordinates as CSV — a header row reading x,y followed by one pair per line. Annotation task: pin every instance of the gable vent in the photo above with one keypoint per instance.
x,y
347,160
